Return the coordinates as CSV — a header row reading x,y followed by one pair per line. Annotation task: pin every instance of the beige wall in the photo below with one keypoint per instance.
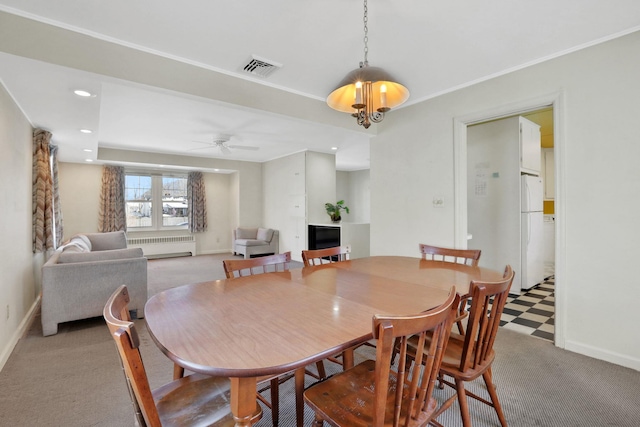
x,y
219,192
320,185
80,186
354,188
20,267
597,203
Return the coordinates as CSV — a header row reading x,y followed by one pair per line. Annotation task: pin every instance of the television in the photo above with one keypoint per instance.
x,y
322,237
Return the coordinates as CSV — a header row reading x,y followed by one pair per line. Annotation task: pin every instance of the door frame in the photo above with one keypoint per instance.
x,y
460,124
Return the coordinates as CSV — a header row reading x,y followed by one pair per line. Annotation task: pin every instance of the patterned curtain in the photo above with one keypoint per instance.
x,y
57,209
112,205
197,203
42,203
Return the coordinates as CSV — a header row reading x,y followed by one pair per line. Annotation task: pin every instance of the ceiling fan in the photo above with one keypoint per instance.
x,y
221,142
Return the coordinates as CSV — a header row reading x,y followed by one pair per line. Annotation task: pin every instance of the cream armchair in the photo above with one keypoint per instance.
x,y
255,241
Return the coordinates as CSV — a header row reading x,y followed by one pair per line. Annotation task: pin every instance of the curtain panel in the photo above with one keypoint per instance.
x,y
57,209
42,193
197,203
112,216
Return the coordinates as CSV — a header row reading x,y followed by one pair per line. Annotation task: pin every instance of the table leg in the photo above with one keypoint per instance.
x,y
299,380
347,359
243,400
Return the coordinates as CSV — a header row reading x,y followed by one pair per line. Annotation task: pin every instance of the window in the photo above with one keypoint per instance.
x,y
167,192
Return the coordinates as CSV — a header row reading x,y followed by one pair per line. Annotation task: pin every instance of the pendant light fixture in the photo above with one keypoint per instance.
x,y
367,92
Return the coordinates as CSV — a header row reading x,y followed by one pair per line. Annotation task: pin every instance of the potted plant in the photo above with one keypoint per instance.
x,y
334,210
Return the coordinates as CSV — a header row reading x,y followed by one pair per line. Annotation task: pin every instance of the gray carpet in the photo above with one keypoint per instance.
x,y
74,378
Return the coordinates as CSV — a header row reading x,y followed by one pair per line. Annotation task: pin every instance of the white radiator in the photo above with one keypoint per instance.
x,y
158,246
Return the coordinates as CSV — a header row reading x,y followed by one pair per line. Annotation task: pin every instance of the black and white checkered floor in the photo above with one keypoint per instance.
x,y
533,312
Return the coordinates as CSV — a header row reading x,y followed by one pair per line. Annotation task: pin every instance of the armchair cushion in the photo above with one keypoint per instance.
x,y
250,242
265,234
246,233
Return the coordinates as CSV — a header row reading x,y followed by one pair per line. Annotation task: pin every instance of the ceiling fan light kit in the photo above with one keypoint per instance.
x,y
367,92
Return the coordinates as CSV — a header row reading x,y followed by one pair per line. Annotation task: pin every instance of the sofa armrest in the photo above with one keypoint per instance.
x,y
108,255
79,290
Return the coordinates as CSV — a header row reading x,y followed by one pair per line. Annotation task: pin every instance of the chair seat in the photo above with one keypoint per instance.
x,y
340,397
196,400
251,242
453,355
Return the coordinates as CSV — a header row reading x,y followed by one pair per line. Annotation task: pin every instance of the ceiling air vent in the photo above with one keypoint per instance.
x,y
260,67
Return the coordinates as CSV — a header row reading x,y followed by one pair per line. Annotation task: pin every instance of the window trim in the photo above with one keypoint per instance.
x,y
157,223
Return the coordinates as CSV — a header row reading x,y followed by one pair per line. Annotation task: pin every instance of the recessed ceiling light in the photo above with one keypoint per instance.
x,y
83,93
86,131
334,148
88,150
88,160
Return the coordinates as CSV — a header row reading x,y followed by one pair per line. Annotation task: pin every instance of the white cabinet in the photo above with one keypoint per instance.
x,y
548,173
530,151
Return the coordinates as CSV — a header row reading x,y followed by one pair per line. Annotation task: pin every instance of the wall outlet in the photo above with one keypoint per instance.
x,y
438,202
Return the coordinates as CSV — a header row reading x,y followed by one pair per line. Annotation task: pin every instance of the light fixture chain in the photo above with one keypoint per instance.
x,y
366,34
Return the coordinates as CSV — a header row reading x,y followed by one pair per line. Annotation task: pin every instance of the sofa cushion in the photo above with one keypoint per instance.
x,y
246,233
251,242
265,234
107,241
113,254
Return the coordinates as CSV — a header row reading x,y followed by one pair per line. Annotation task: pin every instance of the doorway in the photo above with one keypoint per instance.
x,y
546,112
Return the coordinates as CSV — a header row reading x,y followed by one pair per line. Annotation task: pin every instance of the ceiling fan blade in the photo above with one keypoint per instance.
x,y
244,147
225,149
201,148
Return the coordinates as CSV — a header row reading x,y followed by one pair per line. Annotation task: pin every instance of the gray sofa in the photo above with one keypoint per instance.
x,y
255,241
80,276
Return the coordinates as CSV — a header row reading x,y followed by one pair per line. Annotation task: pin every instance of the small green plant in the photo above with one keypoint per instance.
x,y
334,210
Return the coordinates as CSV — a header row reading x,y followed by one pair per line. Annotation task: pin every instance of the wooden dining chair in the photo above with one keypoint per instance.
x,y
471,355
312,257
469,257
193,400
459,256
234,268
250,266
374,393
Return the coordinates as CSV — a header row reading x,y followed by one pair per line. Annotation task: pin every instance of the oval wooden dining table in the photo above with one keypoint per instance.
x,y
274,323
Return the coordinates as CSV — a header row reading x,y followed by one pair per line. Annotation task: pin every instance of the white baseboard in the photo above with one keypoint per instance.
x,y
19,333
601,354
215,252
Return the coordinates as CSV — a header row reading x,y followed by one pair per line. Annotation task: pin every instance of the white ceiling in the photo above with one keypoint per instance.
x,y
432,47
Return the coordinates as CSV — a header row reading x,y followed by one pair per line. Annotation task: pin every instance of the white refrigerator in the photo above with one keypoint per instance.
x,y
532,228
